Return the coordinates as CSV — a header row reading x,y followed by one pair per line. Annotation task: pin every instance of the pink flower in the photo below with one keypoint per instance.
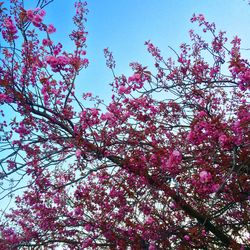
x,y
137,76
94,111
30,14
215,188
78,153
52,61
203,232
205,176
88,227
223,139
149,220
42,13
107,116
152,246
10,26
201,17
177,155
123,90
51,29
172,164
37,19
5,98
62,60
85,62
202,114
46,42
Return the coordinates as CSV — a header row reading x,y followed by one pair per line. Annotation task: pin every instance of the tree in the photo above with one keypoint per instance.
x,y
164,165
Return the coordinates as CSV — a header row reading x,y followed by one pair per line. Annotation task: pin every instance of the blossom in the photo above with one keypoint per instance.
x,y
107,116
52,61
37,20
224,141
78,153
62,60
10,33
172,164
177,155
149,220
205,176
135,78
5,98
30,14
46,42
214,188
152,246
94,111
42,13
10,25
36,16
123,90
51,29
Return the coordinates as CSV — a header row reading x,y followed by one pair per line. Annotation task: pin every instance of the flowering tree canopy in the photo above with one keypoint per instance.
x,y
164,165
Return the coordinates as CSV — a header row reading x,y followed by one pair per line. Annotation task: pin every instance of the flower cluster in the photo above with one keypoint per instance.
x,y
36,16
9,30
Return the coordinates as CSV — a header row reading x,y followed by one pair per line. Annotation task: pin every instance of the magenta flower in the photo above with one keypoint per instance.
x,y
51,29
205,176
30,14
78,153
37,19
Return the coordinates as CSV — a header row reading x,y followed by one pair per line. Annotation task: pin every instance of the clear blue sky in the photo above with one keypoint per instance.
x,y
125,25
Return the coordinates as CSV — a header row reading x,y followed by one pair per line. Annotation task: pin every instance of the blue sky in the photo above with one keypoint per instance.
x,y
125,25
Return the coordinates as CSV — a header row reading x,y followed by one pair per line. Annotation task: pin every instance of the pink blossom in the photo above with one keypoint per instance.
x,y
123,90
94,111
202,114
78,153
215,188
149,220
52,61
85,62
152,246
135,78
51,29
201,17
37,19
177,155
88,227
203,232
87,243
11,29
46,42
42,13
62,60
224,141
107,116
205,176
30,14
172,164
5,98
